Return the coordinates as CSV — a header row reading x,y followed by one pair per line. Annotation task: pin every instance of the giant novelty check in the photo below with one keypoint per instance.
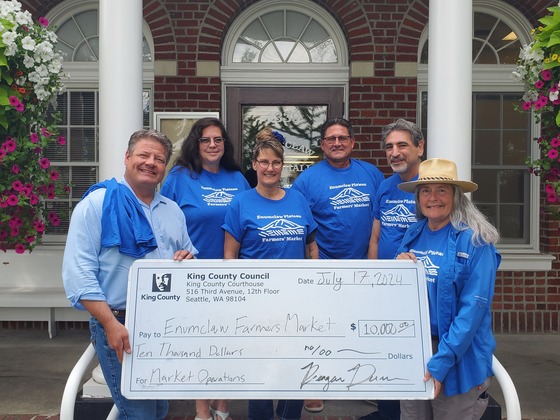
x,y
289,329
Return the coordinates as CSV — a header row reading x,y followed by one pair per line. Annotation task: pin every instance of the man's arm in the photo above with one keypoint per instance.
x,y
117,334
374,240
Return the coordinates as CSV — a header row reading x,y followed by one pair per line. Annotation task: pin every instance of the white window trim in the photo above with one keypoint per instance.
x,y
287,73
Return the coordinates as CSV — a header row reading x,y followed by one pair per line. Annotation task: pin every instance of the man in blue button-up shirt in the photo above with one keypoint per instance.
x,y
115,224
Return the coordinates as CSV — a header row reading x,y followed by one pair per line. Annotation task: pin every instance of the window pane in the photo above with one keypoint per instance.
x,y
515,147
512,226
83,177
83,144
300,125
285,37
487,111
296,24
82,107
487,180
486,147
513,118
512,186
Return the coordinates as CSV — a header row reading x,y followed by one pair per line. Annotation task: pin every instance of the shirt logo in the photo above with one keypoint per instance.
x,y
429,266
398,214
281,227
349,197
218,198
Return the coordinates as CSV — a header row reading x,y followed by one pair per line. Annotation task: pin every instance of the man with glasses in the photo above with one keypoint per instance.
x,y
395,211
340,191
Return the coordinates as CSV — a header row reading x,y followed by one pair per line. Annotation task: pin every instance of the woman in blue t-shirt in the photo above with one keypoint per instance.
x,y
270,222
203,181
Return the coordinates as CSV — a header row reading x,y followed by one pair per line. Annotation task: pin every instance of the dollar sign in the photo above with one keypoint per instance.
x,y
352,326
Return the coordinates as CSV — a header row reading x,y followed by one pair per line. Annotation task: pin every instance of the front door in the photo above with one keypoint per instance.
x,y
296,112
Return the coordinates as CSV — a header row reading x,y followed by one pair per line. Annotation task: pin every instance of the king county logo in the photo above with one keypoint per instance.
x,y
218,198
281,227
349,196
399,213
429,266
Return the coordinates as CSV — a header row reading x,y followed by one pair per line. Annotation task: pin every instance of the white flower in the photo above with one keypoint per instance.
x,y
9,38
553,96
28,61
24,18
28,43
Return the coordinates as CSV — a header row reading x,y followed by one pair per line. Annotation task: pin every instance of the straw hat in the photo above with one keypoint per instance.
x,y
438,171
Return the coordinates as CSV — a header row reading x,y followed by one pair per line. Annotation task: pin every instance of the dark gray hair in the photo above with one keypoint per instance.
x,y
154,135
337,121
464,215
402,125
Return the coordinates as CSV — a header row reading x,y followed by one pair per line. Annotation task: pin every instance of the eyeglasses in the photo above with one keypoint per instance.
x,y
206,140
264,164
341,139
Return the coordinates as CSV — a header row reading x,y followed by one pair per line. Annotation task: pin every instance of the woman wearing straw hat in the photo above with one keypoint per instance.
x,y
455,242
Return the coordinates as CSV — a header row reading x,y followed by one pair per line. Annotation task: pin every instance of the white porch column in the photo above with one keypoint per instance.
x,y
120,81
450,82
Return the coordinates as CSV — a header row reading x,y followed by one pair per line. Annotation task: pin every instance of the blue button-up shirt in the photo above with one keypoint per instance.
x,y
91,272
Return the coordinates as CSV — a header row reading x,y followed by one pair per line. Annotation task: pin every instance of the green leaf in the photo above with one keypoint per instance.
x,y
558,119
4,121
554,39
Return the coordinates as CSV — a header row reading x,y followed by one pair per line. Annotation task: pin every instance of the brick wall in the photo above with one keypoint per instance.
x,y
381,31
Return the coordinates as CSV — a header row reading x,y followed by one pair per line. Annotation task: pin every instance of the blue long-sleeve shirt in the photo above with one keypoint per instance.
x,y
465,288
91,272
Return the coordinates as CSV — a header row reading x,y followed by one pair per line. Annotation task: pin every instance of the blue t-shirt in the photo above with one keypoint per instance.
x,y
204,199
396,211
428,248
341,201
264,228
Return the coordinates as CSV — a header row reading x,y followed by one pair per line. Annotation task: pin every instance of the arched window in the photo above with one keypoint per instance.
x,y
501,136
78,40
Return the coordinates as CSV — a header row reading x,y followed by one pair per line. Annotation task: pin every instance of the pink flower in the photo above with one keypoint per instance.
x,y
555,142
549,188
53,218
15,222
39,226
20,107
541,102
527,105
14,100
54,175
14,231
12,200
554,87
26,191
552,153
3,234
33,199
9,145
20,249
17,185
44,163
43,21
551,197
2,153
15,169
546,75
30,239
539,84
34,137
45,132
61,140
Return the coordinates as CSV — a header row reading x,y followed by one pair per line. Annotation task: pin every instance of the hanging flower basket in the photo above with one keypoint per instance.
x,y
30,79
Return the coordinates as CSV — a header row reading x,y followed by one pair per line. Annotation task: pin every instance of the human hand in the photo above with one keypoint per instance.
x,y
406,256
183,254
437,384
117,337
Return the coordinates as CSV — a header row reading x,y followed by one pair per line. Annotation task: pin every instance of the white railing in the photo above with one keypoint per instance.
x,y
513,408
72,385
